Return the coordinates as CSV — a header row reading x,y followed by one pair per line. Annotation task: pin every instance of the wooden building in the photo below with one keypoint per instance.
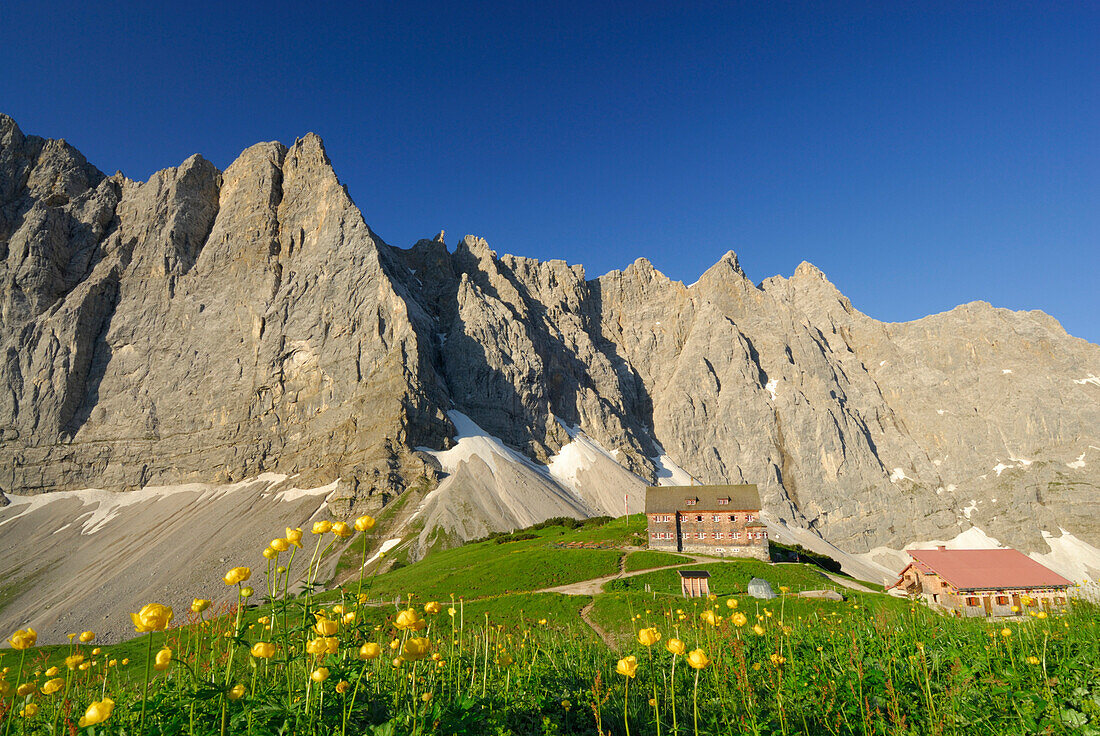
x,y
981,582
714,520
695,583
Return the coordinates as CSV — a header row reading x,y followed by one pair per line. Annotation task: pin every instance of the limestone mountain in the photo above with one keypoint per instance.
x,y
212,326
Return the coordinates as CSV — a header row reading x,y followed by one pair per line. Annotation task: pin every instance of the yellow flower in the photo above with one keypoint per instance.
x,y
777,660
370,650
269,554
416,648
325,627
342,686
397,661
52,672
280,545
1041,614
322,527
151,617
198,605
112,663
30,710
72,662
1006,632
349,617
323,645
675,646
364,523
23,639
97,650
236,692
98,712
237,575
25,689
49,687
294,536
433,607
1033,659
627,667
342,530
164,658
5,687
542,621
784,589
504,659
739,619
732,603
263,650
1015,609
408,619
394,645
649,637
698,659
758,629
86,637
426,697
712,597
710,617
126,661
319,675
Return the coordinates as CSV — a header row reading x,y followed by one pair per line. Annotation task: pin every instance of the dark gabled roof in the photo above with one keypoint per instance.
x,y
670,499
987,569
694,574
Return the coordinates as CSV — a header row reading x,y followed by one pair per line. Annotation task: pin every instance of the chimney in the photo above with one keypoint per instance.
x,y
941,547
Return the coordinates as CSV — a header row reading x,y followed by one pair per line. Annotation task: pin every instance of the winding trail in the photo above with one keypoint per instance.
x,y
600,632
848,583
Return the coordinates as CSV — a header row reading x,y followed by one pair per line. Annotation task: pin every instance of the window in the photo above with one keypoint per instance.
x,y
733,517
1002,600
716,518
691,501
718,535
723,501
700,535
1060,599
735,535
749,517
971,601
699,517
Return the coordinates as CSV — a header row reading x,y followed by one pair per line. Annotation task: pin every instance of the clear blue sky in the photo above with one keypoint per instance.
x,y
921,155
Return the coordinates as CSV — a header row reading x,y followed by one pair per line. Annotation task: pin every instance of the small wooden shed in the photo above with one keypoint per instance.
x,y
695,583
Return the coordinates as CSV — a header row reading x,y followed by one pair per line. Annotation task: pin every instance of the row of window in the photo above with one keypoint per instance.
x,y
693,501
699,517
715,535
1003,600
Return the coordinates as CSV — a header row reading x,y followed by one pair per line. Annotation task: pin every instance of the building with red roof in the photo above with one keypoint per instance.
x,y
981,582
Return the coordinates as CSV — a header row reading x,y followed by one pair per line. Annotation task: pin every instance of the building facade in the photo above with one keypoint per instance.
x,y
981,582
712,520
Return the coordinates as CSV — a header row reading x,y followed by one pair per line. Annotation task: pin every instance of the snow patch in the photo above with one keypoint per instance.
x,y
940,412
771,386
293,494
1078,463
1069,556
899,475
572,459
1001,467
668,472
1094,380
386,547
971,508
1006,370
472,441
881,363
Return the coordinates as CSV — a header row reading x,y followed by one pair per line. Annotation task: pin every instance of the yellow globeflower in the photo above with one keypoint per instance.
x,y
152,617
777,659
322,527
52,672
370,650
675,646
426,697
84,666
342,530
710,617
416,649
342,686
86,637
1006,632
49,687
164,658
5,687
23,639
98,712
96,651
25,689
739,619
237,575
263,650
349,617
325,627
628,666
30,710
112,663
732,603
73,661
649,637
269,554
433,607
236,692
1033,659
407,619
698,659
280,545
758,629
364,523
198,605
319,675
294,536
1041,614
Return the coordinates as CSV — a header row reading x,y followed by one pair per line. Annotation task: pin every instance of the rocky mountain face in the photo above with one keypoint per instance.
x,y
209,326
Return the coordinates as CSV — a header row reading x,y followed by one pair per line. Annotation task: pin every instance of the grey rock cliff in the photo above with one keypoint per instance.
x,y
209,326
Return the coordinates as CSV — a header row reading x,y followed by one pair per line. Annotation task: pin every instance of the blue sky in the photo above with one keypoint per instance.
x,y
922,155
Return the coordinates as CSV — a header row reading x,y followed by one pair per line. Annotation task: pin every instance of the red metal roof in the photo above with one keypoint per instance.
x,y
972,569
